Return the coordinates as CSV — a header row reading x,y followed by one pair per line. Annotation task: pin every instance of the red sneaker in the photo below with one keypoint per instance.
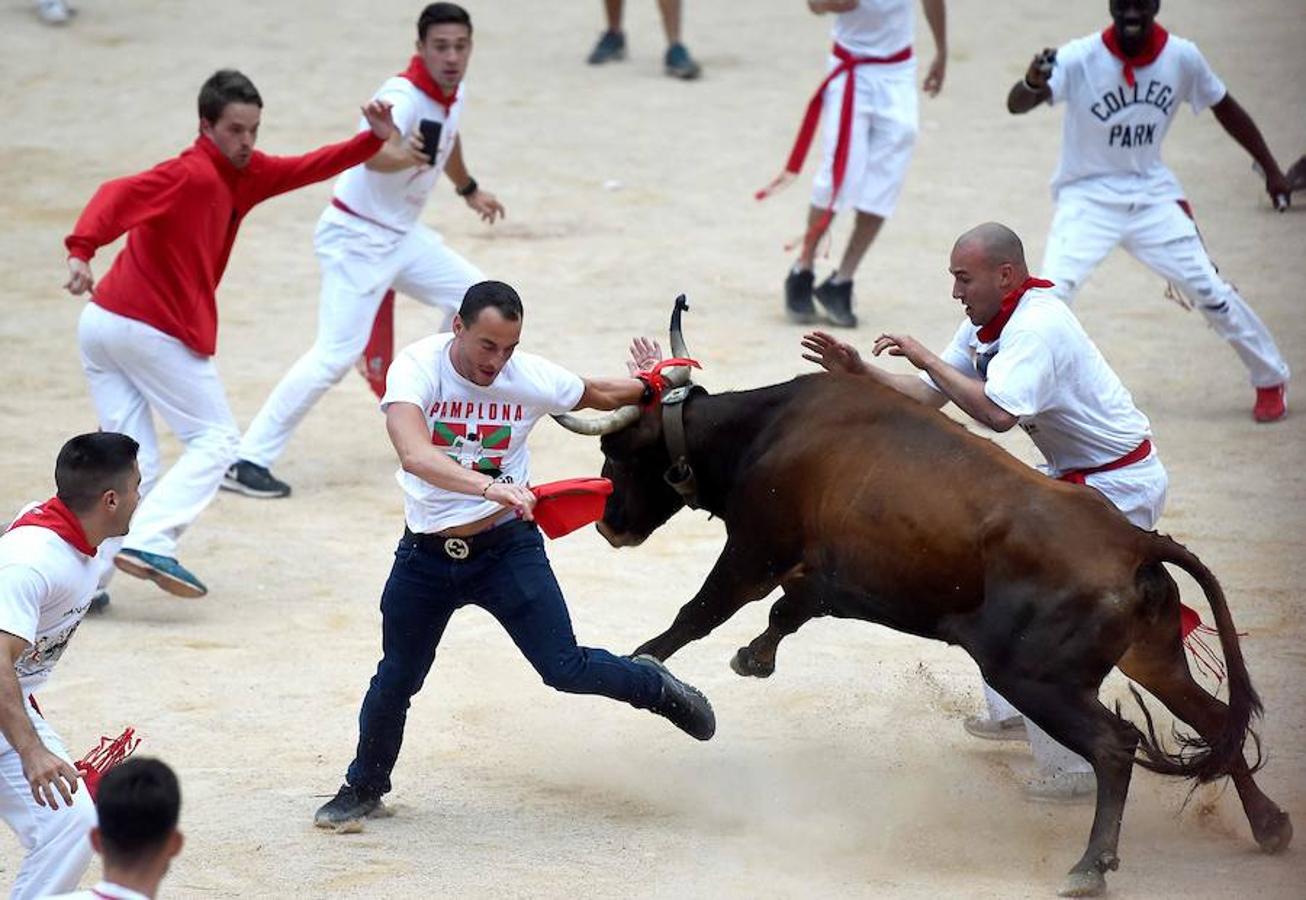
x,y
1270,405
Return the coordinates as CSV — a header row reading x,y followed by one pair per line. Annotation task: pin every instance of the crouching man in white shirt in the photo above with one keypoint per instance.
x,y
48,572
1022,358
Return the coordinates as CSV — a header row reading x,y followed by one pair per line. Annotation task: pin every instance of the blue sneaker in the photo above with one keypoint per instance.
x,y
164,571
611,47
679,64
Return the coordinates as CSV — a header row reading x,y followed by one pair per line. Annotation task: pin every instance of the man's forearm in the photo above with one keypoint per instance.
x,y
968,394
433,467
936,15
1240,126
392,157
611,393
15,724
911,385
455,168
1022,98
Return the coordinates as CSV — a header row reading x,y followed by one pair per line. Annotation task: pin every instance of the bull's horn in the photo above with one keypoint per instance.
x,y
678,376
615,420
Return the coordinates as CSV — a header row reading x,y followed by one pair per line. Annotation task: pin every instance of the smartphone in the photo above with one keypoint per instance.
x,y
430,130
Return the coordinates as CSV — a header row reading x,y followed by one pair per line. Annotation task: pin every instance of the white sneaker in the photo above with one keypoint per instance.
x,y
1012,729
1064,787
54,12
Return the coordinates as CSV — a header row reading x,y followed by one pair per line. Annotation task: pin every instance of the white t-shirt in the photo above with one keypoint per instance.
x,y
875,27
1111,136
483,428
45,590
1045,370
395,199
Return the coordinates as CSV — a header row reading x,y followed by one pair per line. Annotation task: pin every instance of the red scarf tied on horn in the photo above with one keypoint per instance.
x,y
989,331
57,517
1152,47
421,78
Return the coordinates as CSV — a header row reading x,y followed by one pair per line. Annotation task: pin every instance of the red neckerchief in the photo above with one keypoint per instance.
x,y
421,78
989,331
1152,48
57,517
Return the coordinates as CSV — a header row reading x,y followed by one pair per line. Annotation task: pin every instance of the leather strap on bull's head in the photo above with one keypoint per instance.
x,y
680,475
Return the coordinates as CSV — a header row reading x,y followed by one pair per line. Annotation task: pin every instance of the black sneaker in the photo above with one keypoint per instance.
x,y
798,297
681,704
837,300
347,807
254,481
611,47
99,603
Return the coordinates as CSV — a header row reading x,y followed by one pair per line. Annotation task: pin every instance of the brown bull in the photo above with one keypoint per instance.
x,y
878,508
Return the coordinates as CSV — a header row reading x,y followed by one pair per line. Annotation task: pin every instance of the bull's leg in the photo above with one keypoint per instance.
x,y
1157,662
1078,721
737,579
794,607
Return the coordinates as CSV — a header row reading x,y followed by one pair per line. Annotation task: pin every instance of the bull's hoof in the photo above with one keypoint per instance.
x,y
1083,884
1275,833
746,664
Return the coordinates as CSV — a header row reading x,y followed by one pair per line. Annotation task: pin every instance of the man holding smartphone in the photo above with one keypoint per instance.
x,y
369,239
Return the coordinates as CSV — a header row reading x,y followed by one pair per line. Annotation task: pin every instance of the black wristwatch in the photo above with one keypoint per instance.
x,y
471,187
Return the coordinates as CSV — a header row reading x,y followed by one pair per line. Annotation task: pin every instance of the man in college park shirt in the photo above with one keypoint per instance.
x,y
148,335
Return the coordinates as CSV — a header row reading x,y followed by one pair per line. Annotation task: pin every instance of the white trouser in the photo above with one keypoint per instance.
x,y
135,369
56,840
1139,492
359,264
1165,239
881,140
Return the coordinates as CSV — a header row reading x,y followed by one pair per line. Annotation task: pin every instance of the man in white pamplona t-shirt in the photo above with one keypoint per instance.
x,y
1022,358
48,572
458,409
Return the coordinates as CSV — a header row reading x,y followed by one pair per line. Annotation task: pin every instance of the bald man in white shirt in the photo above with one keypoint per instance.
x,y
1022,358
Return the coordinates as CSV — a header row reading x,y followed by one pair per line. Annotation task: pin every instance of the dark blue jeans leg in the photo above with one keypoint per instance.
x,y
518,588
415,608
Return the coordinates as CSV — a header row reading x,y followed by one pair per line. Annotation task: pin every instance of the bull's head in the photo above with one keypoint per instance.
x,y
636,459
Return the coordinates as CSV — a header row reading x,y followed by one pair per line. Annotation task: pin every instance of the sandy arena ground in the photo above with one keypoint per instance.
x,y
846,774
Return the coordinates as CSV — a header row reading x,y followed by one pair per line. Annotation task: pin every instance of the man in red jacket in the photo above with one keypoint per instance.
x,y
148,335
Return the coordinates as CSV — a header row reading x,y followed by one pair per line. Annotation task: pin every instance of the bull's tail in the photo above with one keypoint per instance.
x,y
1197,758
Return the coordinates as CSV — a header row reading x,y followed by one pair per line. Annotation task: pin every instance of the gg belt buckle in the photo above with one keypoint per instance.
x,y
456,548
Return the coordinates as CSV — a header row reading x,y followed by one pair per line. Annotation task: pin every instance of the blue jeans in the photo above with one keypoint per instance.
x,y
511,580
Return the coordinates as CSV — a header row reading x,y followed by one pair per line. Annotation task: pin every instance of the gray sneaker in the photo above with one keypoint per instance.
x,y
99,603
254,480
837,300
1064,787
798,297
1012,729
610,48
347,808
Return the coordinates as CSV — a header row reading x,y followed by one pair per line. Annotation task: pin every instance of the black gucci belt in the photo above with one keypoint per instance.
x,y
460,548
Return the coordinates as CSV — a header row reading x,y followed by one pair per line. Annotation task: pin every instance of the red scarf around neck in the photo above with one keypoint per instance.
x,y
57,517
989,331
419,76
1152,48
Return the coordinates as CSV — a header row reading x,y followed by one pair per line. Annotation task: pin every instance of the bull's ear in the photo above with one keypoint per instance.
x,y
616,420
